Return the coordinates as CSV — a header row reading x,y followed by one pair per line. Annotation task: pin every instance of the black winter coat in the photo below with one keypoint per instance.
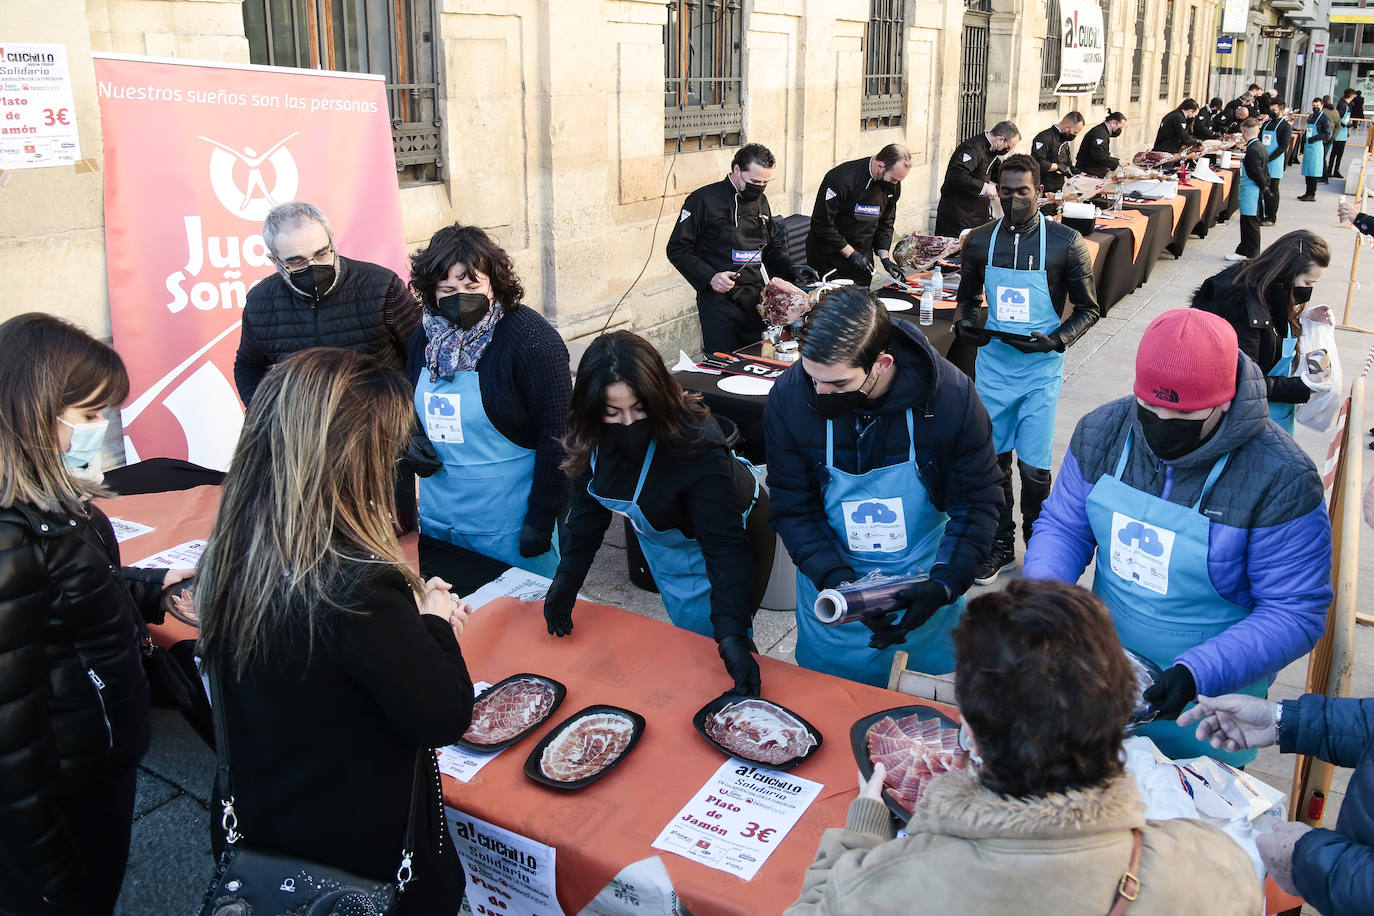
x,y
1173,133
323,743
1095,152
961,204
1260,327
368,310
851,209
954,455
73,695
1067,263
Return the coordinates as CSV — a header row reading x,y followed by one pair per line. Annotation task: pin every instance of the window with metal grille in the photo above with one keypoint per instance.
x,y
1051,53
884,98
1165,58
1188,61
1138,57
1100,93
395,38
973,68
703,74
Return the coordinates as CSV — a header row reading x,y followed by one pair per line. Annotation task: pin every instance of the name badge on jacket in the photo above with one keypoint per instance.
x,y
1140,552
875,525
868,211
744,257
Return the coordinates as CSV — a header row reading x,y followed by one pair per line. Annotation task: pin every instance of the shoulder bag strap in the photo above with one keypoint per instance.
x,y
1128,888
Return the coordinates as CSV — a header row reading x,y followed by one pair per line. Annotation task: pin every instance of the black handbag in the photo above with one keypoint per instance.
x,y
248,881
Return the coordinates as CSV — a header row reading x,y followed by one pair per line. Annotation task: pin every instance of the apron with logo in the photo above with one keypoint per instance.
x,y
1284,414
1249,191
885,521
1152,574
477,500
676,560
1313,155
1270,138
1020,390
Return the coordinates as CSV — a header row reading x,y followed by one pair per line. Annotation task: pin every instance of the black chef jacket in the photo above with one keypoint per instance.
x,y
718,230
962,205
1095,152
851,208
1173,133
1052,147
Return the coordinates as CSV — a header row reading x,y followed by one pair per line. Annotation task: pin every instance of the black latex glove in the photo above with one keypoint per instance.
x,y
806,276
738,654
534,542
1174,690
922,600
558,605
420,454
893,269
971,334
859,262
1039,343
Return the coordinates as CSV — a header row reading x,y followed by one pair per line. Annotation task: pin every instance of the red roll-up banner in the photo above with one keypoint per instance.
x,y
196,154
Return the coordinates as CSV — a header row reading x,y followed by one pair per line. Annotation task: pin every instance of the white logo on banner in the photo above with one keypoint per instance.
x,y
252,199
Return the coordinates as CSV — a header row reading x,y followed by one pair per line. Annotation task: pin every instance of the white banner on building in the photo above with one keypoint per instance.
x,y
1235,15
1083,48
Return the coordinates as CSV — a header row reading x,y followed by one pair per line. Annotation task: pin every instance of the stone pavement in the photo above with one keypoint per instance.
x,y
170,862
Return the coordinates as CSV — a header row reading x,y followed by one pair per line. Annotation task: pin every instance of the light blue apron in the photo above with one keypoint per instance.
x,y
1343,131
1020,390
478,499
1313,155
1284,414
676,560
1152,574
886,507
1249,191
1270,139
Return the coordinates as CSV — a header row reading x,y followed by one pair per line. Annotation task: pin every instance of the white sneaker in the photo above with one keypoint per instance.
x,y
1234,257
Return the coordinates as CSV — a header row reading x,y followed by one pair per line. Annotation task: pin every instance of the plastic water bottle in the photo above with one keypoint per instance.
x,y
937,282
928,304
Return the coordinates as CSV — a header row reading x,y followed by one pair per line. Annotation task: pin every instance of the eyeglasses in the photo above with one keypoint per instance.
x,y
301,263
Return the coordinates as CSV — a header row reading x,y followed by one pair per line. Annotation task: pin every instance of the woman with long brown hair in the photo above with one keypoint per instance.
x,y
330,678
491,388
73,694
642,447
1263,300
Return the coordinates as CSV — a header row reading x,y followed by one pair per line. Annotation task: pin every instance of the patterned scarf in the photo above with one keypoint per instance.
x,y
451,349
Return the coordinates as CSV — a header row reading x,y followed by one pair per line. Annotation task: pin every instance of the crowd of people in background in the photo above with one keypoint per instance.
x,y
1205,521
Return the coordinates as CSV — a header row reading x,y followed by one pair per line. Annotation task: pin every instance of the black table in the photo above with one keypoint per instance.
x,y
1188,222
1119,272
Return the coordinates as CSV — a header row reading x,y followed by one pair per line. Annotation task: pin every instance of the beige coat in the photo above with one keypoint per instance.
x,y
972,851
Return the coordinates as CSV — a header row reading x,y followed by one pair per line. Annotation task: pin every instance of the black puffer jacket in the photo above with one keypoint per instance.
x,y
73,695
1260,328
1067,262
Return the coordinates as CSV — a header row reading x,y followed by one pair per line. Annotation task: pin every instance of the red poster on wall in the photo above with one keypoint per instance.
x,y
196,154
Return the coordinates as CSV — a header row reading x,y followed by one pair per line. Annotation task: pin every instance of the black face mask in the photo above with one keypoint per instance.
x,y
463,309
751,192
1302,294
888,186
838,403
1170,439
314,280
1019,210
630,439
1115,133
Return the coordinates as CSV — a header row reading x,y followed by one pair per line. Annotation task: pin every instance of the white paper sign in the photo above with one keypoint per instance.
x,y
126,530
1235,16
37,115
1083,49
508,874
182,556
738,818
513,583
463,763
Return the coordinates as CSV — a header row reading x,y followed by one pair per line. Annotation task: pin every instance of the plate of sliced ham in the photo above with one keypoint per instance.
x,y
915,743
757,730
584,747
510,709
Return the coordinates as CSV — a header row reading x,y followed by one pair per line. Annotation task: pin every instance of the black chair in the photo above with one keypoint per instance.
x,y
795,229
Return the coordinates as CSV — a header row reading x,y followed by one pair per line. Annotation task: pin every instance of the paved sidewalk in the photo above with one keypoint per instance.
x,y
170,863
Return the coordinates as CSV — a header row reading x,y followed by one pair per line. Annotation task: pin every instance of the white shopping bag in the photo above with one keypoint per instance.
x,y
1319,366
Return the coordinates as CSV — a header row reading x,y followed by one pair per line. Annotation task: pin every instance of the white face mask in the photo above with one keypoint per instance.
x,y
87,440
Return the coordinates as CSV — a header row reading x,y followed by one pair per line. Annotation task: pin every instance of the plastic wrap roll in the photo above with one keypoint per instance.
x,y
873,594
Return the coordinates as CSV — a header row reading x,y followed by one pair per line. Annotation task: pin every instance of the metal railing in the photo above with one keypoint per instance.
x,y
1138,58
1051,53
884,95
703,74
973,68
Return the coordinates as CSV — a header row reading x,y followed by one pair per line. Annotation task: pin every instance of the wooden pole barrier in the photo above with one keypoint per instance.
x,y
1350,288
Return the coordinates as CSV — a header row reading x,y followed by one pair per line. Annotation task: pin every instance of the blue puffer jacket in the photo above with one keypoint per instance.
x,y
1334,869
954,456
1270,538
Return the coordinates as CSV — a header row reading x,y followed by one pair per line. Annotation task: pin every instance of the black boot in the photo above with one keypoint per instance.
x,y
1035,487
1003,552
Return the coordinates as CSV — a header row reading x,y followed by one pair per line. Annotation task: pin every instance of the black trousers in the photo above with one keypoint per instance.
x,y
725,324
1311,187
1269,200
1249,236
1333,164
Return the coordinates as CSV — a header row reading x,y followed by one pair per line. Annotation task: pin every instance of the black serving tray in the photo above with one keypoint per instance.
x,y
533,771
559,692
858,741
699,720
172,591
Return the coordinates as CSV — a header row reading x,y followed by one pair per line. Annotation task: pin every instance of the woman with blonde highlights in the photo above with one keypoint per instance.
x,y
73,694
330,678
